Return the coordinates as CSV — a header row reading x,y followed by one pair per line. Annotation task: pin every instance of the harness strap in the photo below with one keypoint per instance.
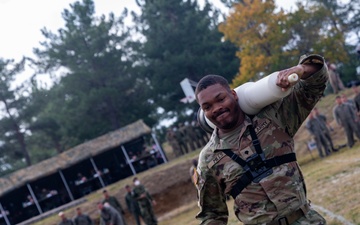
x,y
255,140
235,157
248,177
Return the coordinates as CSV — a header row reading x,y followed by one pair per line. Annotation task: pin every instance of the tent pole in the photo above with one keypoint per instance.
x,y
34,197
128,159
96,171
3,212
66,185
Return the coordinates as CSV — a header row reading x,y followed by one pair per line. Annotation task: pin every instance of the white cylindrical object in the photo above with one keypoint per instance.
x,y
293,78
253,96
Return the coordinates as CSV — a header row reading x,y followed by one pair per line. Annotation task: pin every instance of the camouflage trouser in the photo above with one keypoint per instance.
x,y
147,214
311,218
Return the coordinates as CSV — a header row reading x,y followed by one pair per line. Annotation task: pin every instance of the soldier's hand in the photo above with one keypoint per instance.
x,y
283,76
154,202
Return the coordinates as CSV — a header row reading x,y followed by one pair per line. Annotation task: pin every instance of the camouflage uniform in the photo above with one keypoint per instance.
x,y
317,127
170,137
83,220
335,80
346,117
109,215
116,205
181,140
133,206
277,195
145,202
193,140
201,134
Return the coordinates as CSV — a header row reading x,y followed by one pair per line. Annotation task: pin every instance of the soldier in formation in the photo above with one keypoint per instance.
x,y
171,139
109,215
64,219
82,219
114,203
334,78
132,204
145,201
186,137
318,127
346,117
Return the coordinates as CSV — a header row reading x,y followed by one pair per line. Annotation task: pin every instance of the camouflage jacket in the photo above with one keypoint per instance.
x,y
317,125
142,196
275,195
344,114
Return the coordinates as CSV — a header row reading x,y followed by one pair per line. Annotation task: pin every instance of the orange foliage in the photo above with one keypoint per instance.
x,y
257,31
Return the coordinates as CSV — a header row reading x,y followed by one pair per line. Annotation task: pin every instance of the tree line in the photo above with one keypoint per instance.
x,y
106,73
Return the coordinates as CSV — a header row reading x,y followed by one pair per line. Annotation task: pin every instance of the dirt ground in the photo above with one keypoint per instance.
x,y
171,188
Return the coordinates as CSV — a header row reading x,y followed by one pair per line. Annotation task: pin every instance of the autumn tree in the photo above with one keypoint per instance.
x,y
258,32
270,39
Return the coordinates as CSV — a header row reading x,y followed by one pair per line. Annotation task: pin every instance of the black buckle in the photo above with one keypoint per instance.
x,y
283,219
255,164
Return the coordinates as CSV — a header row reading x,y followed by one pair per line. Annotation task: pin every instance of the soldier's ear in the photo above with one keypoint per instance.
x,y
233,92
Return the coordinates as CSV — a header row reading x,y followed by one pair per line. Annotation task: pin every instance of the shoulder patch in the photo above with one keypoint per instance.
x,y
216,159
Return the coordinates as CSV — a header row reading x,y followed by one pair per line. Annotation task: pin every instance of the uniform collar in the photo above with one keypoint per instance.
x,y
231,139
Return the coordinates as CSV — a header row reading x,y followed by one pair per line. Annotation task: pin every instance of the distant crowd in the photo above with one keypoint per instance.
x,y
346,113
186,137
138,201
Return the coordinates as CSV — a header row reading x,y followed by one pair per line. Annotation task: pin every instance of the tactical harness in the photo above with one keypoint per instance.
x,y
256,167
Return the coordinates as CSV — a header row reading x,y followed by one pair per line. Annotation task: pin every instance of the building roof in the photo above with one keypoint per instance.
x,y
72,156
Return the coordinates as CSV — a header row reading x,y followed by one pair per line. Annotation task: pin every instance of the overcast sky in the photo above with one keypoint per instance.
x,y
22,20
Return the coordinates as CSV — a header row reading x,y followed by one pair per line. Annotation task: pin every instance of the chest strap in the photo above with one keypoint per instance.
x,y
256,167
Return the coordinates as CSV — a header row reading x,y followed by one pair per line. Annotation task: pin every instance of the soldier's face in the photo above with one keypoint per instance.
x,y
338,101
220,106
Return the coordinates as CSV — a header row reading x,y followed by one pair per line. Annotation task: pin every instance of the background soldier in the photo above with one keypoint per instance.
x,y
64,219
334,78
317,126
171,139
191,135
325,128
145,202
345,117
109,215
132,204
112,201
201,135
181,140
82,219
186,137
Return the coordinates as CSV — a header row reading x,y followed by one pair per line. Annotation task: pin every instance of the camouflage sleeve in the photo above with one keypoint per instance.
x,y
148,195
212,201
292,110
